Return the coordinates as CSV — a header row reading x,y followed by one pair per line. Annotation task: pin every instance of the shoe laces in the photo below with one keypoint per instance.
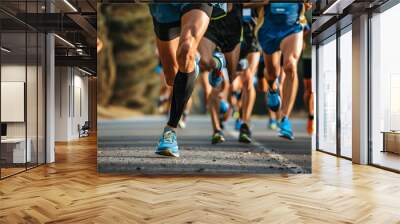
x,y
169,137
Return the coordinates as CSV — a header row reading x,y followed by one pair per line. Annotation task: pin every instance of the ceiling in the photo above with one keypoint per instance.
x,y
332,15
74,22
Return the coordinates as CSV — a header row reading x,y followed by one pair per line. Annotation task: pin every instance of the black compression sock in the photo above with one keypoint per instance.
x,y
182,90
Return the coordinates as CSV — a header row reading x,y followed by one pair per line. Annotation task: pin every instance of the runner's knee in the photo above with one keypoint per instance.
x,y
253,67
186,53
213,97
169,75
290,67
247,79
271,74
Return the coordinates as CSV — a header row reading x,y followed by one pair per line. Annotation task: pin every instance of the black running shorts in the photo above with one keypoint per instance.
x,y
226,32
249,42
173,12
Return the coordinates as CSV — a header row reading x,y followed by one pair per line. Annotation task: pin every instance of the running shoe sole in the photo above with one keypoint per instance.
x,y
167,152
286,135
217,140
244,138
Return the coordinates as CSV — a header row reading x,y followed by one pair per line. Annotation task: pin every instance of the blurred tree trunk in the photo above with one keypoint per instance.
x,y
105,61
130,29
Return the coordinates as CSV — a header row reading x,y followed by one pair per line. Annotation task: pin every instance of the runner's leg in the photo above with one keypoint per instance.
x,y
194,23
248,92
207,63
167,52
291,50
309,102
177,56
232,60
272,68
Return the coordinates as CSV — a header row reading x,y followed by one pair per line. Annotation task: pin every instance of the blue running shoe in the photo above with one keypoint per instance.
x,y
168,146
217,137
216,76
224,110
274,99
223,106
285,129
238,123
272,124
244,134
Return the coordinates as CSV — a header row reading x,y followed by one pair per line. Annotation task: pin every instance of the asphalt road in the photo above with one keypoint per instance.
x,y
127,146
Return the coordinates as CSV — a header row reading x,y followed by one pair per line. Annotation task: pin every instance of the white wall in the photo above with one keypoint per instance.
x,y
71,94
13,101
62,80
80,111
13,73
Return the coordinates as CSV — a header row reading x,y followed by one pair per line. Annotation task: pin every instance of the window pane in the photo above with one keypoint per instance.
x,y
346,93
327,96
386,89
31,97
14,150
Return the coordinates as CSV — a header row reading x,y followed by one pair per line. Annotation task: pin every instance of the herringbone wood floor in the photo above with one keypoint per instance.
x,y
71,191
